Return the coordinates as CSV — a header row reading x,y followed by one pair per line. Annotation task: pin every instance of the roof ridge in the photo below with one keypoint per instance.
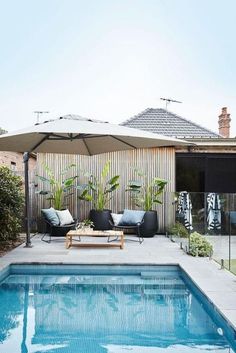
x,y
132,119
135,116
192,122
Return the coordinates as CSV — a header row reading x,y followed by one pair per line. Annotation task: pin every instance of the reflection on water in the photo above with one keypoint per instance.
x,y
104,314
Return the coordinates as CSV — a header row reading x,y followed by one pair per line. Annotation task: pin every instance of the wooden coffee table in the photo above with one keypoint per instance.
x,y
119,235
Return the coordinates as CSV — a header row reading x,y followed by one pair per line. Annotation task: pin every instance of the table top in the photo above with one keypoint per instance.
x,y
95,233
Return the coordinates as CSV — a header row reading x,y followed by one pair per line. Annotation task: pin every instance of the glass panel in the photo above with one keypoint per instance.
x,y
212,215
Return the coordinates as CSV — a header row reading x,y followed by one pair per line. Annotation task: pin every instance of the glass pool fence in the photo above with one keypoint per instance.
x,y
212,215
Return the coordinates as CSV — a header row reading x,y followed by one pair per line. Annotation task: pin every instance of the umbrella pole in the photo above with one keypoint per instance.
x,y
27,213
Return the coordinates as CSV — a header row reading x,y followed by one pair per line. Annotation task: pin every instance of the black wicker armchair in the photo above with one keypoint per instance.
x,y
56,231
134,227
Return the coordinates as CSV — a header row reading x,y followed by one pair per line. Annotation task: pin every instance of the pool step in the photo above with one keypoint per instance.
x,y
158,275
157,282
160,292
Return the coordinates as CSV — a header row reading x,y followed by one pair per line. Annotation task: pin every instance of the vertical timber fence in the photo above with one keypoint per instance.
x,y
155,162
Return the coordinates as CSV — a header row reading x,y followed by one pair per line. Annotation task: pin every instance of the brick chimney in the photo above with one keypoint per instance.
x,y
224,123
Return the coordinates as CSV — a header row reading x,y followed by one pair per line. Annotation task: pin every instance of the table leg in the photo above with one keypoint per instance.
x,y
68,241
122,240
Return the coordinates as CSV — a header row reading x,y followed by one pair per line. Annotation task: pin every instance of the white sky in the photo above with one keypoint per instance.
x,y
111,59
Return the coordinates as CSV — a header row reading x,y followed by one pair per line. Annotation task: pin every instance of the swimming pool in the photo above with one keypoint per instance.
x,y
107,309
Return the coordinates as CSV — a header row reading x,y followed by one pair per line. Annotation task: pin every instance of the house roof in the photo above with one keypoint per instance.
x,y
164,122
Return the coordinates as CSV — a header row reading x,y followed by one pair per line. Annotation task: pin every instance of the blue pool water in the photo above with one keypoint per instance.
x,y
99,309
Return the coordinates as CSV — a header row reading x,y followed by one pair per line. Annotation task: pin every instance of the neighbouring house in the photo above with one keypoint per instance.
x,y
14,160
209,164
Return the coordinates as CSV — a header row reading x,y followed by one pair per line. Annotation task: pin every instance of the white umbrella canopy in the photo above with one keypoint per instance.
x,y
72,134
76,135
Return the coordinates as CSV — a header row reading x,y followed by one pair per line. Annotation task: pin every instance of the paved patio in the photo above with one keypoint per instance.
x,y
218,285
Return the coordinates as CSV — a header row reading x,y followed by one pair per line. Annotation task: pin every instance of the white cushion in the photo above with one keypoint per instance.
x,y
64,217
116,218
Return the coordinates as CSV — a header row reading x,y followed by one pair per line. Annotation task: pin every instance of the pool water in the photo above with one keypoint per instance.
x,y
99,309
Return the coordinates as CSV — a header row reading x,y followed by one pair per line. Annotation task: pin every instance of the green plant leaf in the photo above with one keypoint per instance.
x,y
81,186
135,182
42,192
69,181
43,178
134,187
157,201
85,196
68,195
66,170
92,186
106,169
114,180
133,191
112,188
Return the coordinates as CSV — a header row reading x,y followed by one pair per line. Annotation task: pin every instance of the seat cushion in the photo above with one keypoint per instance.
x,y
131,217
64,217
116,217
233,217
51,216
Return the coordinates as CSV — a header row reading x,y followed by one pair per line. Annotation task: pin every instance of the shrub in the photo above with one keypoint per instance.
x,y
11,204
199,246
178,229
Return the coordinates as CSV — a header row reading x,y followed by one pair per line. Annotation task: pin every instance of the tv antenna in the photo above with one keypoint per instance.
x,y
38,114
169,100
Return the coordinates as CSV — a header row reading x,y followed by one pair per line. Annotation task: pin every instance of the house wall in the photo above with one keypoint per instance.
x,y
14,161
155,162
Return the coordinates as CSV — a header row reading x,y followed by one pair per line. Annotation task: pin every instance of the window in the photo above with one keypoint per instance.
x,y
206,172
13,166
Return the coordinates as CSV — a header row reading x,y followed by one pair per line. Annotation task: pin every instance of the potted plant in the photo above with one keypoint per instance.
x,y
145,194
99,190
86,224
57,190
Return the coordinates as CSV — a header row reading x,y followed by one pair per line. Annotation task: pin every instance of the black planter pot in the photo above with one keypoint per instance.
x,y
101,219
150,226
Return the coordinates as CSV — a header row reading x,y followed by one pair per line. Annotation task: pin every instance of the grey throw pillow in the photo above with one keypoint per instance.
x,y
131,218
51,216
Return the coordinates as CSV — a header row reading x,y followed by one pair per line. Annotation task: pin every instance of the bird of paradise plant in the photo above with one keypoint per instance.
x,y
145,193
99,189
57,190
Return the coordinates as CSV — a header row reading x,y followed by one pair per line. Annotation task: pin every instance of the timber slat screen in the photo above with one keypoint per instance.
x,y
156,162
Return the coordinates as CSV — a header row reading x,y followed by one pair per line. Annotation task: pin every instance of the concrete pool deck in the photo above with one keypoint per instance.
x,y
218,285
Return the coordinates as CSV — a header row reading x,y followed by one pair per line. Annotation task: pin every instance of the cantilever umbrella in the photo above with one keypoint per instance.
x,y
72,134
